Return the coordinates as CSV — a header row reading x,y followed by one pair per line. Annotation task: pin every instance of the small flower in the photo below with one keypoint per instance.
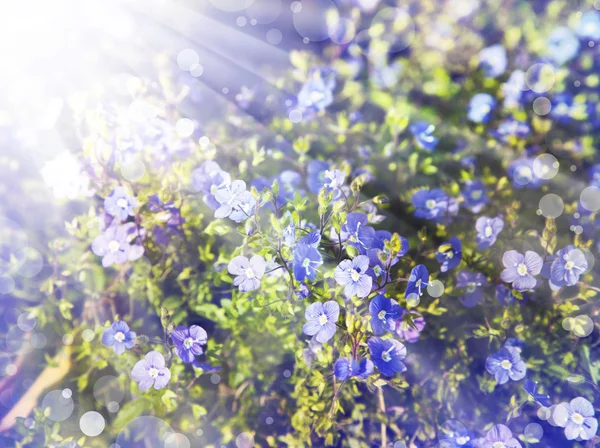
x,y
352,275
493,60
423,133
513,89
316,175
357,233
207,179
334,180
307,259
570,263
317,93
449,254
531,388
563,45
345,368
511,128
475,196
235,202
505,295
505,364
419,278
578,419
151,371
189,342
521,269
481,107
472,282
119,204
321,319
488,230
248,272
434,204
384,314
119,337
114,245
500,437
302,292
410,333
387,355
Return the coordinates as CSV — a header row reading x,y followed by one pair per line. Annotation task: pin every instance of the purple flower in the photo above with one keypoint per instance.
x,y
317,93
321,319
419,277
119,337
475,196
423,133
114,245
504,295
434,204
449,254
481,107
387,355
208,178
488,230
352,275
410,333
500,436
578,419
493,60
357,233
235,202
302,292
384,314
306,261
248,272
472,282
521,269
570,263
522,174
119,204
151,371
345,368
334,180
189,342
505,364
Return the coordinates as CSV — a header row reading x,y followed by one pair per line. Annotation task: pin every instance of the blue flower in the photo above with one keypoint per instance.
x,y
594,173
505,364
317,93
589,26
289,182
449,254
114,245
481,107
306,261
384,314
475,195
345,368
316,175
513,89
119,204
311,239
570,263
387,355
564,109
119,337
511,127
302,292
334,180
410,332
419,277
207,179
499,436
516,343
493,60
423,133
520,269
352,275
357,233
488,230
151,371
504,295
235,202
522,174
563,45
472,282
578,419
321,319
531,388
189,341
248,272
434,204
